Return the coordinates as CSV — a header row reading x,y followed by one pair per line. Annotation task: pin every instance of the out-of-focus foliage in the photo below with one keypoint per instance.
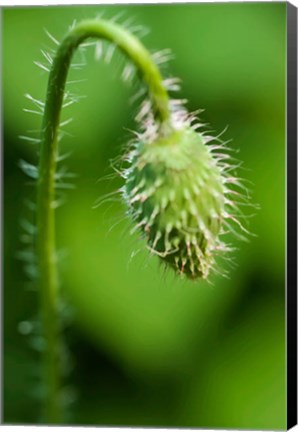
x,y
148,348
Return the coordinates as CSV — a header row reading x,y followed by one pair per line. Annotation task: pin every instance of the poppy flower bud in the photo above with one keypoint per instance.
x,y
175,192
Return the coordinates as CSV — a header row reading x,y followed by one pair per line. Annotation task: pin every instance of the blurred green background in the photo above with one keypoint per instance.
x,y
148,348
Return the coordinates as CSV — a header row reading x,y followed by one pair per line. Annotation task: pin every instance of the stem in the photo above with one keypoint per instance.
x,y
150,74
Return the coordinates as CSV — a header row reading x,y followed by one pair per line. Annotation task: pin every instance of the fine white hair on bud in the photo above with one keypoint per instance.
x,y
178,195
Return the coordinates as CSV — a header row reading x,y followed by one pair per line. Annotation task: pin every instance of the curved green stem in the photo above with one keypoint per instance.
x,y
150,74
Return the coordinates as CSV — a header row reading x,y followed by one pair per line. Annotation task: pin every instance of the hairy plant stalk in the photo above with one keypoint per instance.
x,y
180,186
47,267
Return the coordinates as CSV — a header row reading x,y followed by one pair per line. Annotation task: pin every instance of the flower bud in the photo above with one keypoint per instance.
x,y
175,192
